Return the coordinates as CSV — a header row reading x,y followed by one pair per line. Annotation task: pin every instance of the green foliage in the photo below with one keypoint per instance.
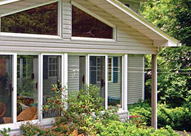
x,y
5,131
117,128
84,109
178,118
174,73
172,16
85,115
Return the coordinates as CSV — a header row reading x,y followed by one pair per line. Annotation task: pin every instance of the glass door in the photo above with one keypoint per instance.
x,y
52,72
97,73
6,91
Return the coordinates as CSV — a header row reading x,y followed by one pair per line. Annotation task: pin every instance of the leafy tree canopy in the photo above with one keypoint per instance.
x,y
174,72
172,16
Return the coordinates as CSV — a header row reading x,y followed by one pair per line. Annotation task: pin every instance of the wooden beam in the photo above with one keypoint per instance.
x,y
154,92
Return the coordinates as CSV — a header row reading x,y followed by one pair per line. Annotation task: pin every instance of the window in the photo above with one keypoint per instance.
x,y
52,73
40,20
27,87
85,25
110,69
98,71
6,91
52,64
115,87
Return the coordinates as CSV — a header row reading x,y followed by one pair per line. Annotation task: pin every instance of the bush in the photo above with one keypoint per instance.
x,y
178,118
85,115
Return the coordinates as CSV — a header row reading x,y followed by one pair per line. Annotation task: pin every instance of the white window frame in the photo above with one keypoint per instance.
x,y
41,77
14,86
59,23
106,74
64,81
54,70
98,70
64,75
100,19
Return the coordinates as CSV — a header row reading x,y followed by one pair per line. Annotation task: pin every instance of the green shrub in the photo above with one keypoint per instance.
x,y
178,118
85,115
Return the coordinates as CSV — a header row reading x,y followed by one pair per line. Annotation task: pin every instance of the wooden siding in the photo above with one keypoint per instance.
x,y
128,40
67,20
135,78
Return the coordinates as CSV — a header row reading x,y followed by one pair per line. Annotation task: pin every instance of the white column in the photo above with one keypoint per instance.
x,y
65,78
14,93
125,83
87,77
154,92
106,82
40,86
65,70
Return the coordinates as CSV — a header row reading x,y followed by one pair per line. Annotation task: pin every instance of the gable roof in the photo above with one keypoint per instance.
x,y
113,7
128,16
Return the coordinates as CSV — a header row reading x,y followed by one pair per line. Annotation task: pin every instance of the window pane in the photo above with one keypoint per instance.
x,y
50,77
84,25
5,89
97,74
27,87
115,86
41,20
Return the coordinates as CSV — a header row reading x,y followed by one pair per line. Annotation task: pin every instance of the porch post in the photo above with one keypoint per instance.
x,y
154,92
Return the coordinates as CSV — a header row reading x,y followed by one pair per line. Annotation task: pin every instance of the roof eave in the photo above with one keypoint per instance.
x,y
172,42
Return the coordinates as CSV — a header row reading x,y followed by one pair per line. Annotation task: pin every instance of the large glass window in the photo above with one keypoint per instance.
x,y
97,73
27,87
6,89
48,80
40,20
85,25
115,85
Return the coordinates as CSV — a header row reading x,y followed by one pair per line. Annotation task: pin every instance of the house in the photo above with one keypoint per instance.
x,y
78,42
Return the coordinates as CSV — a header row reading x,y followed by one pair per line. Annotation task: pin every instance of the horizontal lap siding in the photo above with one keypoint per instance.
x,y
73,73
67,20
135,78
128,40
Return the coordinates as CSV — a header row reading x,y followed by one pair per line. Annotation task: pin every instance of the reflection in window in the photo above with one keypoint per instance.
x,y
27,87
97,74
40,20
110,69
52,66
49,81
84,25
5,89
115,87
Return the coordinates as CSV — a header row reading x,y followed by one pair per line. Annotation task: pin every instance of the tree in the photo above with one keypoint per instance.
x,y
173,17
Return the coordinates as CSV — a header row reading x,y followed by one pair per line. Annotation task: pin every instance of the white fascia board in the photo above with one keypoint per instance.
x,y
165,43
134,15
3,2
27,8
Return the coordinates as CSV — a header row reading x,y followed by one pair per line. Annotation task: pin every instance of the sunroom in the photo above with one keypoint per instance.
x,y
78,43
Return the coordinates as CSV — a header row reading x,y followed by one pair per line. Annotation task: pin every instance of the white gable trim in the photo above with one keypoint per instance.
x,y
31,7
128,11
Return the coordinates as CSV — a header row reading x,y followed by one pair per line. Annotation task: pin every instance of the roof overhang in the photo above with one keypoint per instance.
x,y
113,7
128,16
